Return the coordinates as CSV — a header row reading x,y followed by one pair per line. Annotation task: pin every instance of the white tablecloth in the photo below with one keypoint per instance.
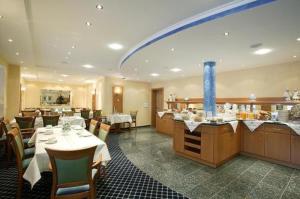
x,y
253,124
119,118
74,120
161,113
71,141
79,114
192,125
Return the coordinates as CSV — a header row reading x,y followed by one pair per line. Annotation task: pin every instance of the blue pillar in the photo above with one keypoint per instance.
x,y
209,87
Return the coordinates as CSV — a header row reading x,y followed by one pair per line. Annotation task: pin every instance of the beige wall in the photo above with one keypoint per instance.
x,y
268,81
136,96
3,68
81,95
12,91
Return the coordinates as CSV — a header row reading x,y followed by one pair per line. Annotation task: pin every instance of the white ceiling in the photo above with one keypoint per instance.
x,y
45,30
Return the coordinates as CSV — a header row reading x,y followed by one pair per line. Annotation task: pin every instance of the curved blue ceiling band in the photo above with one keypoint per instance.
x,y
230,11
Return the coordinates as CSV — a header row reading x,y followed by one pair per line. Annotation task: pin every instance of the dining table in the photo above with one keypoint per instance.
x,y
75,138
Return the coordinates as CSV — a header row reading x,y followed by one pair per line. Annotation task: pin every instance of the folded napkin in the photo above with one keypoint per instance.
x,y
192,125
253,124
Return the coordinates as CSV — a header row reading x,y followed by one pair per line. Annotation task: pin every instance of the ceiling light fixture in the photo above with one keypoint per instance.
x,y
17,53
147,61
88,66
73,46
66,57
154,74
172,49
88,23
1,16
69,53
115,46
60,80
226,34
298,39
295,56
99,7
64,75
10,40
263,51
175,70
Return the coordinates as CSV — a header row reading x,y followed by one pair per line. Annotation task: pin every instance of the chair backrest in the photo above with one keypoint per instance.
x,y
5,127
85,114
71,168
68,113
94,125
133,115
50,120
103,132
16,141
29,113
45,112
97,114
25,122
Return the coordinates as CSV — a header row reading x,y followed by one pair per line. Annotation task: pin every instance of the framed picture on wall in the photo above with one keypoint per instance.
x,y
55,97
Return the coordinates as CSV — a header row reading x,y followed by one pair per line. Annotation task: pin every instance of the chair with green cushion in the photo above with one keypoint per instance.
x,y
73,173
50,120
103,132
22,163
97,115
94,126
26,125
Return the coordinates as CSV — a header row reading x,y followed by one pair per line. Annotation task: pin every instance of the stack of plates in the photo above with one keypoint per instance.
x,y
283,115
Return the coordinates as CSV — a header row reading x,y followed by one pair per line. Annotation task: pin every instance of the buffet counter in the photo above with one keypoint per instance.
x,y
165,123
214,144
210,144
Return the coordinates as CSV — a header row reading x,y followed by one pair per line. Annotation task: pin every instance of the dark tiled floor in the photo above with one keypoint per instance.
x,y
242,177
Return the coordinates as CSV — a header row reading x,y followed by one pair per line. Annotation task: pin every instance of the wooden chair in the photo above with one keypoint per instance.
x,y
103,132
29,113
73,173
45,112
68,113
97,115
133,115
94,126
26,125
4,139
22,163
85,114
50,120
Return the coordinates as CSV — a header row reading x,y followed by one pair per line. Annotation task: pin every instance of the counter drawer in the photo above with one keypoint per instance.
x,y
277,128
278,146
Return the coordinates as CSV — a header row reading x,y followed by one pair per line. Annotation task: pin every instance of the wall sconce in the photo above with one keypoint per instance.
x,y
117,90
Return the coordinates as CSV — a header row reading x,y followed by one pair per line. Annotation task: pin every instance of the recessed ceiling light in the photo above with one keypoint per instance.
x,y
147,61
64,75
10,40
73,46
1,16
172,49
115,46
175,70
88,66
66,57
69,53
226,33
89,81
262,51
298,39
154,74
295,56
17,53
60,80
88,23
99,7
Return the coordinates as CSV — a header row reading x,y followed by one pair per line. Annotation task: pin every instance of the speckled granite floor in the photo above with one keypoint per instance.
x,y
242,177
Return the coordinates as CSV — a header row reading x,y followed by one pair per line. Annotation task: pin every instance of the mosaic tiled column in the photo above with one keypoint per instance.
x,y
209,87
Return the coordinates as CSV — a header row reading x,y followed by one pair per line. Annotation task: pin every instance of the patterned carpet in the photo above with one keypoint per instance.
x,y
123,180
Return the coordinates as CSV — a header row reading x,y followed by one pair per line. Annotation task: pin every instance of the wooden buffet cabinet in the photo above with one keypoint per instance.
x,y
213,144
165,124
208,144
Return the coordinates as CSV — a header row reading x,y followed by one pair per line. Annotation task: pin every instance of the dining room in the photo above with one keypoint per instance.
x,y
150,99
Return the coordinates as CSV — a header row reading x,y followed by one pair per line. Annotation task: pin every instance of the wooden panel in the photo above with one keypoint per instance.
x,y
156,104
192,145
253,142
278,146
165,124
295,149
277,128
178,137
192,137
207,144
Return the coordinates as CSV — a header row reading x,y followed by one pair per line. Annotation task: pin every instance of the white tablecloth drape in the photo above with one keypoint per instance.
x,y
119,118
74,120
192,125
161,113
253,124
294,127
69,141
